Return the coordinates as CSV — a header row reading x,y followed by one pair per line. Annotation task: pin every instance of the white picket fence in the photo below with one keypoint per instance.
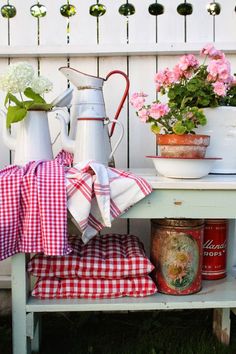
x,y
138,45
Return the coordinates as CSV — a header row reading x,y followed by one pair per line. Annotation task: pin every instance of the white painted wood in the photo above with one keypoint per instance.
x,y
142,25
221,325
112,26
113,92
49,68
217,294
23,27
88,50
141,139
225,24
199,25
170,25
210,182
83,26
3,31
53,27
4,151
21,343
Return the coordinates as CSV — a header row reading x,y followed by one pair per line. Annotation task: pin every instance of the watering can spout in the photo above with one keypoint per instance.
x,y
80,79
8,140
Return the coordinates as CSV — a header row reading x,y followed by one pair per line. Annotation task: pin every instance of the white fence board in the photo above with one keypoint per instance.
x,y
199,26
112,26
141,140
142,25
83,26
23,27
170,25
3,31
53,27
225,23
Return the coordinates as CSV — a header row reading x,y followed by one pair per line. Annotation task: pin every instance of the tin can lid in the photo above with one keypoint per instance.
x,y
178,222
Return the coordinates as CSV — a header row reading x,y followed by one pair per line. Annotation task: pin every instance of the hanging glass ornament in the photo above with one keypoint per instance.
x,y
97,10
185,9
8,11
156,9
214,8
126,9
68,10
38,10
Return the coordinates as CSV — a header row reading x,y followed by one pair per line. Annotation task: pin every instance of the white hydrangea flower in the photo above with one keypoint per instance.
x,y
41,84
17,77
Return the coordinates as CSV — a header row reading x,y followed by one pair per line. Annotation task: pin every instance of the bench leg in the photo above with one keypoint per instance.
x,y
36,341
221,325
21,343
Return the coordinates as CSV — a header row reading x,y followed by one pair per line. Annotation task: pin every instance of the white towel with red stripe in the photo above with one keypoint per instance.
x,y
98,194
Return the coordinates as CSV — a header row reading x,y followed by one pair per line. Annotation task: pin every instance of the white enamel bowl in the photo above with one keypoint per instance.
x,y
175,167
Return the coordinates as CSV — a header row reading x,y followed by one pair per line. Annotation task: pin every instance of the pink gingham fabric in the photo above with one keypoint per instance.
x,y
33,214
98,194
110,256
53,288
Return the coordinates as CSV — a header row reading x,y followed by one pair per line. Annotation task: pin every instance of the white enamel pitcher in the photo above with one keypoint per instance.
x,y
89,137
32,141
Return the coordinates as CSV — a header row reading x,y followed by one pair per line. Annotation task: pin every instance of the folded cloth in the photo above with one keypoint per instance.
x,y
33,214
98,194
51,288
110,256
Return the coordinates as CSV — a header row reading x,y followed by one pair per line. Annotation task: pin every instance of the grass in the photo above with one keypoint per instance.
x,y
164,332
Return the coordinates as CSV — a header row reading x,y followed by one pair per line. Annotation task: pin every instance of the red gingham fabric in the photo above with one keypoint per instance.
x,y
97,194
52,288
33,214
110,256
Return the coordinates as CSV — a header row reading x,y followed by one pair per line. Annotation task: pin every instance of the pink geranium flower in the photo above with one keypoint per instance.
x,y
143,114
137,100
187,62
188,87
219,70
158,110
212,52
219,88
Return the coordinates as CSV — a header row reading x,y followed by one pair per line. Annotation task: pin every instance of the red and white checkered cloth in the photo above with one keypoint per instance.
x,y
33,214
51,288
98,194
33,203
110,256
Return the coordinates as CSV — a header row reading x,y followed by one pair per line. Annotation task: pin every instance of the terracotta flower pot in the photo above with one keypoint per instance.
x,y
186,145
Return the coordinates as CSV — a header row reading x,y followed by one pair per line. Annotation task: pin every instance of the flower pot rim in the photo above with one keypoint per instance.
x,y
184,139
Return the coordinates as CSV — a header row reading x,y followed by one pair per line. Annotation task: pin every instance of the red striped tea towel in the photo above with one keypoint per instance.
x,y
98,194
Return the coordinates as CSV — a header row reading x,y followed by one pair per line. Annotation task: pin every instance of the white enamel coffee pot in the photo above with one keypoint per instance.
x,y
89,137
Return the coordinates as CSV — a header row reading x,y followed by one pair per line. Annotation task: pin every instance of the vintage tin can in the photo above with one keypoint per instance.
x,y
214,249
176,252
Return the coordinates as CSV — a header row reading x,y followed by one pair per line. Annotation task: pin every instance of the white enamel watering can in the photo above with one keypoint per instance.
x,y
32,141
89,137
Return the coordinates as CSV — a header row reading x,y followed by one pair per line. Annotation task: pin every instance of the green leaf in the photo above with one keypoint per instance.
x,y
11,98
41,107
179,129
155,129
15,114
35,96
